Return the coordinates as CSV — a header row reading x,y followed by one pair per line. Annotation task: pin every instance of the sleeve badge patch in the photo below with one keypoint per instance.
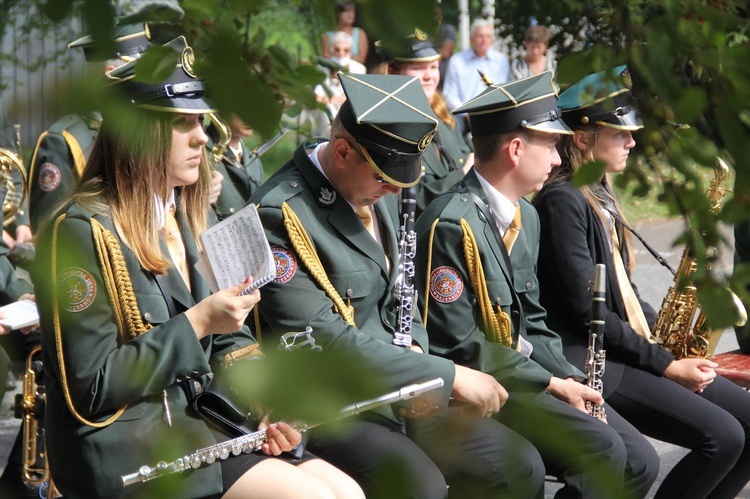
x,y
49,177
286,264
76,288
446,284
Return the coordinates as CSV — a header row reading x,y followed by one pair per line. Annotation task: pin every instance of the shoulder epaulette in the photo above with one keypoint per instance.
x,y
455,209
281,192
64,123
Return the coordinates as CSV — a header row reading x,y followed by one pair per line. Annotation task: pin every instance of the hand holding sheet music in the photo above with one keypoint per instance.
x,y
236,248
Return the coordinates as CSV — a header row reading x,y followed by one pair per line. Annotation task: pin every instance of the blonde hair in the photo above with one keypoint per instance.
x,y
127,166
573,157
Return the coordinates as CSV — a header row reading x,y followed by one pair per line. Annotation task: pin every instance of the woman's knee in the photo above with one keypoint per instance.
x,y
725,441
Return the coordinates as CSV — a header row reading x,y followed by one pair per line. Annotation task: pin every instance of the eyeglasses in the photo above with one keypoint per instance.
x,y
365,157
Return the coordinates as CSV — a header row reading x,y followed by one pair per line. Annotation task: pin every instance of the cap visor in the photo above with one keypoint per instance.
x,y
630,121
399,173
186,105
555,126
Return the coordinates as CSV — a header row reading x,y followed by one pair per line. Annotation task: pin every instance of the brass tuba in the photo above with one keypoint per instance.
x,y
681,325
12,190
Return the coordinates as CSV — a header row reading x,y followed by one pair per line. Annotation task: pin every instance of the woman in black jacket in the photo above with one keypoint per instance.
x,y
682,401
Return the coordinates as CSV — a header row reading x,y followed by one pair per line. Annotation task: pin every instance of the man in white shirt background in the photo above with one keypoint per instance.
x,y
462,80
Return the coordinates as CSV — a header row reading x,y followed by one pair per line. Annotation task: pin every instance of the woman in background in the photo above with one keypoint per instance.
x,y
535,59
345,22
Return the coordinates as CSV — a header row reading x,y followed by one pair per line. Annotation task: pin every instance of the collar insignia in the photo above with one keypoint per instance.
x,y
326,196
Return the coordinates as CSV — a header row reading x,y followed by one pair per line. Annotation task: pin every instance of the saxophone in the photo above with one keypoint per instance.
x,y
681,325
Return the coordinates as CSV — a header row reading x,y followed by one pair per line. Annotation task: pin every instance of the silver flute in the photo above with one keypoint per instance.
x,y
404,293
594,369
255,441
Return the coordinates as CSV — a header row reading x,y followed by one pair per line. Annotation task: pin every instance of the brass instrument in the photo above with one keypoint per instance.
x,y
681,326
225,135
595,358
12,191
30,405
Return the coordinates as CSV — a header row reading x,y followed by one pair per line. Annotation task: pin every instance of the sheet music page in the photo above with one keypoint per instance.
x,y
237,247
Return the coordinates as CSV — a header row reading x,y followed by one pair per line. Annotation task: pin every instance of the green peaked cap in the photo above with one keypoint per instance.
x,y
416,47
181,92
390,118
130,41
603,98
528,103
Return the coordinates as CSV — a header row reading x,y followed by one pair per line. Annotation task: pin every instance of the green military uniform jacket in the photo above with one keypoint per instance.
x,y
105,371
57,163
442,164
356,267
241,179
453,318
11,288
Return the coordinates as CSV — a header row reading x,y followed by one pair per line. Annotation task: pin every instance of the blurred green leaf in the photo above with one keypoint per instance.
x,y
156,64
717,304
589,173
57,10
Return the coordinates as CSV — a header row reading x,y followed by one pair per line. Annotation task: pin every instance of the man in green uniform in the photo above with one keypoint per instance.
x,y
476,254
241,170
61,152
331,217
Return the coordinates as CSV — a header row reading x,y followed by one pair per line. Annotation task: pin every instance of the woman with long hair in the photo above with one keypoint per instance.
x,y
448,157
130,330
682,402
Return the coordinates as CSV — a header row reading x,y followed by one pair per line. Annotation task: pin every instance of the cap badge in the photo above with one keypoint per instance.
x,y
188,59
420,35
426,140
326,196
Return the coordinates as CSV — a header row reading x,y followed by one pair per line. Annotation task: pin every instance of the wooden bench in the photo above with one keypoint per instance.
x,y
734,366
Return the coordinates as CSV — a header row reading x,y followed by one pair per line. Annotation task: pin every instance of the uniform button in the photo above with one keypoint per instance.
x,y
528,286
147,316
292,184
231,210
387,322
498,301
515,313
461,161
349,293
463,199
194,374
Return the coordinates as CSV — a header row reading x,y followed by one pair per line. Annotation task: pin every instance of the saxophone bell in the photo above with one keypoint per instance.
x,y
740,310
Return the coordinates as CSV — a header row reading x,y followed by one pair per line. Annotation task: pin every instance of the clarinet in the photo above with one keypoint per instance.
x,y
594,368
405,294
254,441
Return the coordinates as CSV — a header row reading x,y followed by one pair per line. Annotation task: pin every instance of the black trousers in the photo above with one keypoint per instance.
x,y
475,457
714,425
592,458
